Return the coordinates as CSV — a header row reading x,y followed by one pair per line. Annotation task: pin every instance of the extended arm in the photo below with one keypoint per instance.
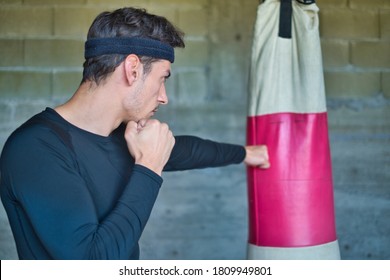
x,y
191,152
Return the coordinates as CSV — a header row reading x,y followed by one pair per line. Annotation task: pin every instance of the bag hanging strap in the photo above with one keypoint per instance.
x,y
285,18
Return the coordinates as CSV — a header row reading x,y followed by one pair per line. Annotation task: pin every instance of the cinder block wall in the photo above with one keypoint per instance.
x,y
356,47
203,214
356,51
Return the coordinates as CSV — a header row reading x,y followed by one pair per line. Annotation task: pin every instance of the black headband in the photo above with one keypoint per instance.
x,y
122,45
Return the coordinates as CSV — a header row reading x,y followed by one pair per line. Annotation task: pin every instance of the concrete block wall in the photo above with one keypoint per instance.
x,y
356,55
356,43
203,214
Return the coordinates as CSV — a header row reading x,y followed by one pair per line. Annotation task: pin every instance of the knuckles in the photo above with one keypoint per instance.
x,y
153,126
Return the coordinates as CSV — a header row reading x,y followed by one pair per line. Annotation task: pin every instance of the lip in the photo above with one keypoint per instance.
x,y
153,112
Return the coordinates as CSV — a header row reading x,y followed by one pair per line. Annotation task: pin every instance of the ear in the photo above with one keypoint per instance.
x,y
133,68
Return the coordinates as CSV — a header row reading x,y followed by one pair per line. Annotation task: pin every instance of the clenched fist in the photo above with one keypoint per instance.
x,y
150,142
257,156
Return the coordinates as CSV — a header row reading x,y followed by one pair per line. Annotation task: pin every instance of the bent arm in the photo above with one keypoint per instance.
x,y
46,197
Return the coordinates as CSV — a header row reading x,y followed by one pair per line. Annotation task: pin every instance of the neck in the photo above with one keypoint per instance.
x,y
92,108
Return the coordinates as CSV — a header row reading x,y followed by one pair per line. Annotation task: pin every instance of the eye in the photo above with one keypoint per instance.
x,y
167,76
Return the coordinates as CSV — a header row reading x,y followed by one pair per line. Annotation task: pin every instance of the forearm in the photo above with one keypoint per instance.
x,y
192,152
119,233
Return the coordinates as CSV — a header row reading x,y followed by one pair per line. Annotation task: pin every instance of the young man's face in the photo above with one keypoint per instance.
x,y
149,92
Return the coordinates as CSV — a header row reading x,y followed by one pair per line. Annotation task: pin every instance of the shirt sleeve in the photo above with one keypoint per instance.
x,y
192,152
53,212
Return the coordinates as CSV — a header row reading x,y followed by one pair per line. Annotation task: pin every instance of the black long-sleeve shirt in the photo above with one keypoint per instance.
x,y
72,194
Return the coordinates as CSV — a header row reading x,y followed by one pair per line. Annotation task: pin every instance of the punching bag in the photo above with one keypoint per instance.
x,y
291,205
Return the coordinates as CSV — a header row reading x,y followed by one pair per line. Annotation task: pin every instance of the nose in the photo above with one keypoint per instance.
x,y
162,95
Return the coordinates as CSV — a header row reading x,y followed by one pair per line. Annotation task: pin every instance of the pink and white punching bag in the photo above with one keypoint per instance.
x,y
291,207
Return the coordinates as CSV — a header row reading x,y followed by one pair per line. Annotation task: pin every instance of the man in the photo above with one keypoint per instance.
x,y
79,181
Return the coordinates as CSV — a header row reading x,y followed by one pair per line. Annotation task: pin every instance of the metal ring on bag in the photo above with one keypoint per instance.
x,y
306,2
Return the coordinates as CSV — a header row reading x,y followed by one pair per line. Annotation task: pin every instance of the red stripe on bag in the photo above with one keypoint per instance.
x,y
291,203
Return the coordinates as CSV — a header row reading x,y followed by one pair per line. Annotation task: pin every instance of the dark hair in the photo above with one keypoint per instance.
x,y
127,22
